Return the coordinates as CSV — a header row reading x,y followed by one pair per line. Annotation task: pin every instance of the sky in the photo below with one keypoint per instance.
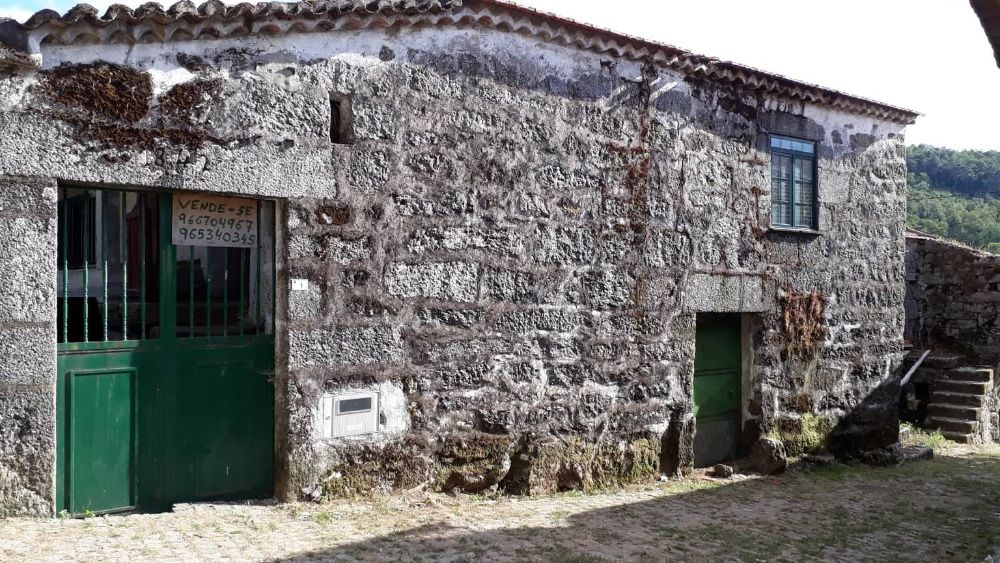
x,y
930,56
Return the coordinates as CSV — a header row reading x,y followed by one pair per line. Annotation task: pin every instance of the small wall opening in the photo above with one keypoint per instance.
x,y
341,126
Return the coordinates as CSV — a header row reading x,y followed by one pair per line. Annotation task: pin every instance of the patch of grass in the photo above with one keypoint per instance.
x,y
576,558
682,486
321,517
834,471
920,437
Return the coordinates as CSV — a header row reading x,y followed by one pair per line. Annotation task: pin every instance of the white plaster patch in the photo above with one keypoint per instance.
x,y
165,79
393,416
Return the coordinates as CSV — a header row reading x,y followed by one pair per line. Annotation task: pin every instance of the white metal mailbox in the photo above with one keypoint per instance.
x,y
349,414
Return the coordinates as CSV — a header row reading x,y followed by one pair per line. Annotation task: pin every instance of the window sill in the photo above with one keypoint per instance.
x,y
794,230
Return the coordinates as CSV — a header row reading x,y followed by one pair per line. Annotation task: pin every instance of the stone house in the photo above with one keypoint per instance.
x,y
339,247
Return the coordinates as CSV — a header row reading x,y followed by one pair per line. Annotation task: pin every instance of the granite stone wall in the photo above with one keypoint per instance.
x,y
512,249
953,298
27,346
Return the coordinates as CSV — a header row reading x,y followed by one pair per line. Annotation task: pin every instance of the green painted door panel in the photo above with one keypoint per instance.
x,y
102,439
716,393
225,388
717,343
717,362
717,378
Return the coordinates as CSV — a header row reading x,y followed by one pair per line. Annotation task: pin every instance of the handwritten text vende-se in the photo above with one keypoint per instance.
x,y
200,220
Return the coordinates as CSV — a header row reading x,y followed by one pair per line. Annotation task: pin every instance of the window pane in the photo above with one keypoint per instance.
x,y
804,216
781,214
781,191
804,169
802,146
781,167
804,193
108,280
224,291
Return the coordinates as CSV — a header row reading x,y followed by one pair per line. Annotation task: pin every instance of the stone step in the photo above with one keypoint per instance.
x,y
958,437
962,399
944,361
959,412
978,375
967,387
953,424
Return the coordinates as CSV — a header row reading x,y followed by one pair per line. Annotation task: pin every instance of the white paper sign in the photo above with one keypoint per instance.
x,y
200,220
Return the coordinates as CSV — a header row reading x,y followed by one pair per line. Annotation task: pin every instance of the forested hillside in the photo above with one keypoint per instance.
x,y
955,194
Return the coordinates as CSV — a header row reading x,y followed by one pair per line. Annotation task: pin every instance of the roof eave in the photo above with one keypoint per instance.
x,y
989,16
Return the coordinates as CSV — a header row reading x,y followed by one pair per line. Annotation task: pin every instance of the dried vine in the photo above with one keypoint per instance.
x,y
803,315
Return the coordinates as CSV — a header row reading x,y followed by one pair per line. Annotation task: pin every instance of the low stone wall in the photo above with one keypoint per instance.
x,y
953,298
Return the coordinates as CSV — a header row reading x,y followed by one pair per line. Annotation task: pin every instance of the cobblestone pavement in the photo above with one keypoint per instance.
x,y
945,509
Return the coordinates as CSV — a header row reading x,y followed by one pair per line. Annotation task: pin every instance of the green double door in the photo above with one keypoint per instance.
x,y
717,379
165,358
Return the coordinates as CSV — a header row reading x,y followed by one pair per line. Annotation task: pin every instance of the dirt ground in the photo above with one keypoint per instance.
x,y
947,509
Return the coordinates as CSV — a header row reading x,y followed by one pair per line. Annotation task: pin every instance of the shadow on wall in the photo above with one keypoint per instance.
x,y
870,432
819,514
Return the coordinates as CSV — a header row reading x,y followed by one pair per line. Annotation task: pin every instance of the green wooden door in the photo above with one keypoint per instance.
x,y
717,369
165,359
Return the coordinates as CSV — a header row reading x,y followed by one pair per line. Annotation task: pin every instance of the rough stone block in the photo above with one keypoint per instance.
x,y
369,170
530,320
375,122
28,355
347,249
608,289
27,453
308,304
439,351
511,286
456,318
665,249
20,196
564,246
500,241
339,346
27,260
438,205
452,281
727,294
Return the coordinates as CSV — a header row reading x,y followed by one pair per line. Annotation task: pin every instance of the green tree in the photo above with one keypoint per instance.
x,y
955,194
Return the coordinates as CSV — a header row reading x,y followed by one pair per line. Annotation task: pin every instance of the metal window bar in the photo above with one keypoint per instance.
x,y
65,263
225,293
191,292
257,323
86,270
104,256
243,279
208,292
123,256
142,267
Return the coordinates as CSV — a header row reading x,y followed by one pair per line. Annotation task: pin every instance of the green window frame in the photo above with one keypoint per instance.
x,y
794,194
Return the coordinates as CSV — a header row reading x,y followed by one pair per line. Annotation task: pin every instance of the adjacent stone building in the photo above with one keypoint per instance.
x,y
483,247
953,312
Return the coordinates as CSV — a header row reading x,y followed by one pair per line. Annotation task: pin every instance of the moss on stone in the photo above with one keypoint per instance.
x,y
473,462
803,435
373,469
576,464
